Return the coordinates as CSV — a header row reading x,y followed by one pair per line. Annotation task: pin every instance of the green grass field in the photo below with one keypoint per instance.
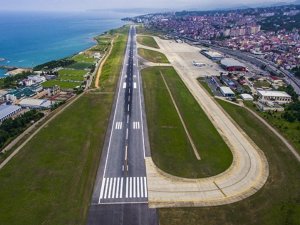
x,y
80,65
147,41
50,181
83,58
276,203
290,130
71,78
170,147
62,84
67,72
152,56
67,79
204,84
111,69
260,84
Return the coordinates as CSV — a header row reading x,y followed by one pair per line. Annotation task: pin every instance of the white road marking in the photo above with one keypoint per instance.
x,y
130,187
121,190
117,191
127,134
119,125
124,85
113,190
102,188
127,118
134,76
106,187
126,152
142,187
134,187
145,186
126,187
136,125
134,84
128,107
138,187
110,183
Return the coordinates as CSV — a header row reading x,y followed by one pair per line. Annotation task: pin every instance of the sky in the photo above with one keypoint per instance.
x,y
165,5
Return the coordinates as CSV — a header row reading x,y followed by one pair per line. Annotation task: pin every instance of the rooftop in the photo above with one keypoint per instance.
x,y
228,62
226,90
274,93
5,110
31,102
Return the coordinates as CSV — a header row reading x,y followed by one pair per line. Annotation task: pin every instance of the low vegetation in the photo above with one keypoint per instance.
x,y
147,41
111,69
13,81
170,147
152,56
276,203
61,84
54,64
11,128
83,58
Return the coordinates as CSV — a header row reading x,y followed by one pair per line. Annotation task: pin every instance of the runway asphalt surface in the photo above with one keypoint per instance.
x,y
120,193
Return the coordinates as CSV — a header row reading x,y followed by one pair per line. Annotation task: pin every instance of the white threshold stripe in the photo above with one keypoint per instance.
x,y
110,183
113,190
102,188
126,187
121,191
134,187
130,185
124,85
134,85
145,186
138,187
142,187
106,187
117,190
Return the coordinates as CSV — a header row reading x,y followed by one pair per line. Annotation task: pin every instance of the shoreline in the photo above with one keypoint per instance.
x,y
6,68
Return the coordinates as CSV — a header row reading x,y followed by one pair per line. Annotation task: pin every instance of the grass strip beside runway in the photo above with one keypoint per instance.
x,y
152,56
170,147
112,67
147,41
276,203
51,179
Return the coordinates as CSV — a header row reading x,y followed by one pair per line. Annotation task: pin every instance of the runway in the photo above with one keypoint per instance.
x,y
121,184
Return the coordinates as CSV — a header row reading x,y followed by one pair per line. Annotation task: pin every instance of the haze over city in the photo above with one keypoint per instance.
x,y
78,5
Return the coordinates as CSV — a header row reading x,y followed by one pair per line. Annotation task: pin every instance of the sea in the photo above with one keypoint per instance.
x,y
28,39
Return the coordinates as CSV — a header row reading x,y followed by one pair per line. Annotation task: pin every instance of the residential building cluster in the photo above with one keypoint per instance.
x,y
248,30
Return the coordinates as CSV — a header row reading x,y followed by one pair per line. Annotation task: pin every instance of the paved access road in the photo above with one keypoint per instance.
x,y
120,194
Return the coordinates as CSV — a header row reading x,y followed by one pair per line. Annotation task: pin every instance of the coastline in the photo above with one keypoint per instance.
x,y
5,69
71,33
